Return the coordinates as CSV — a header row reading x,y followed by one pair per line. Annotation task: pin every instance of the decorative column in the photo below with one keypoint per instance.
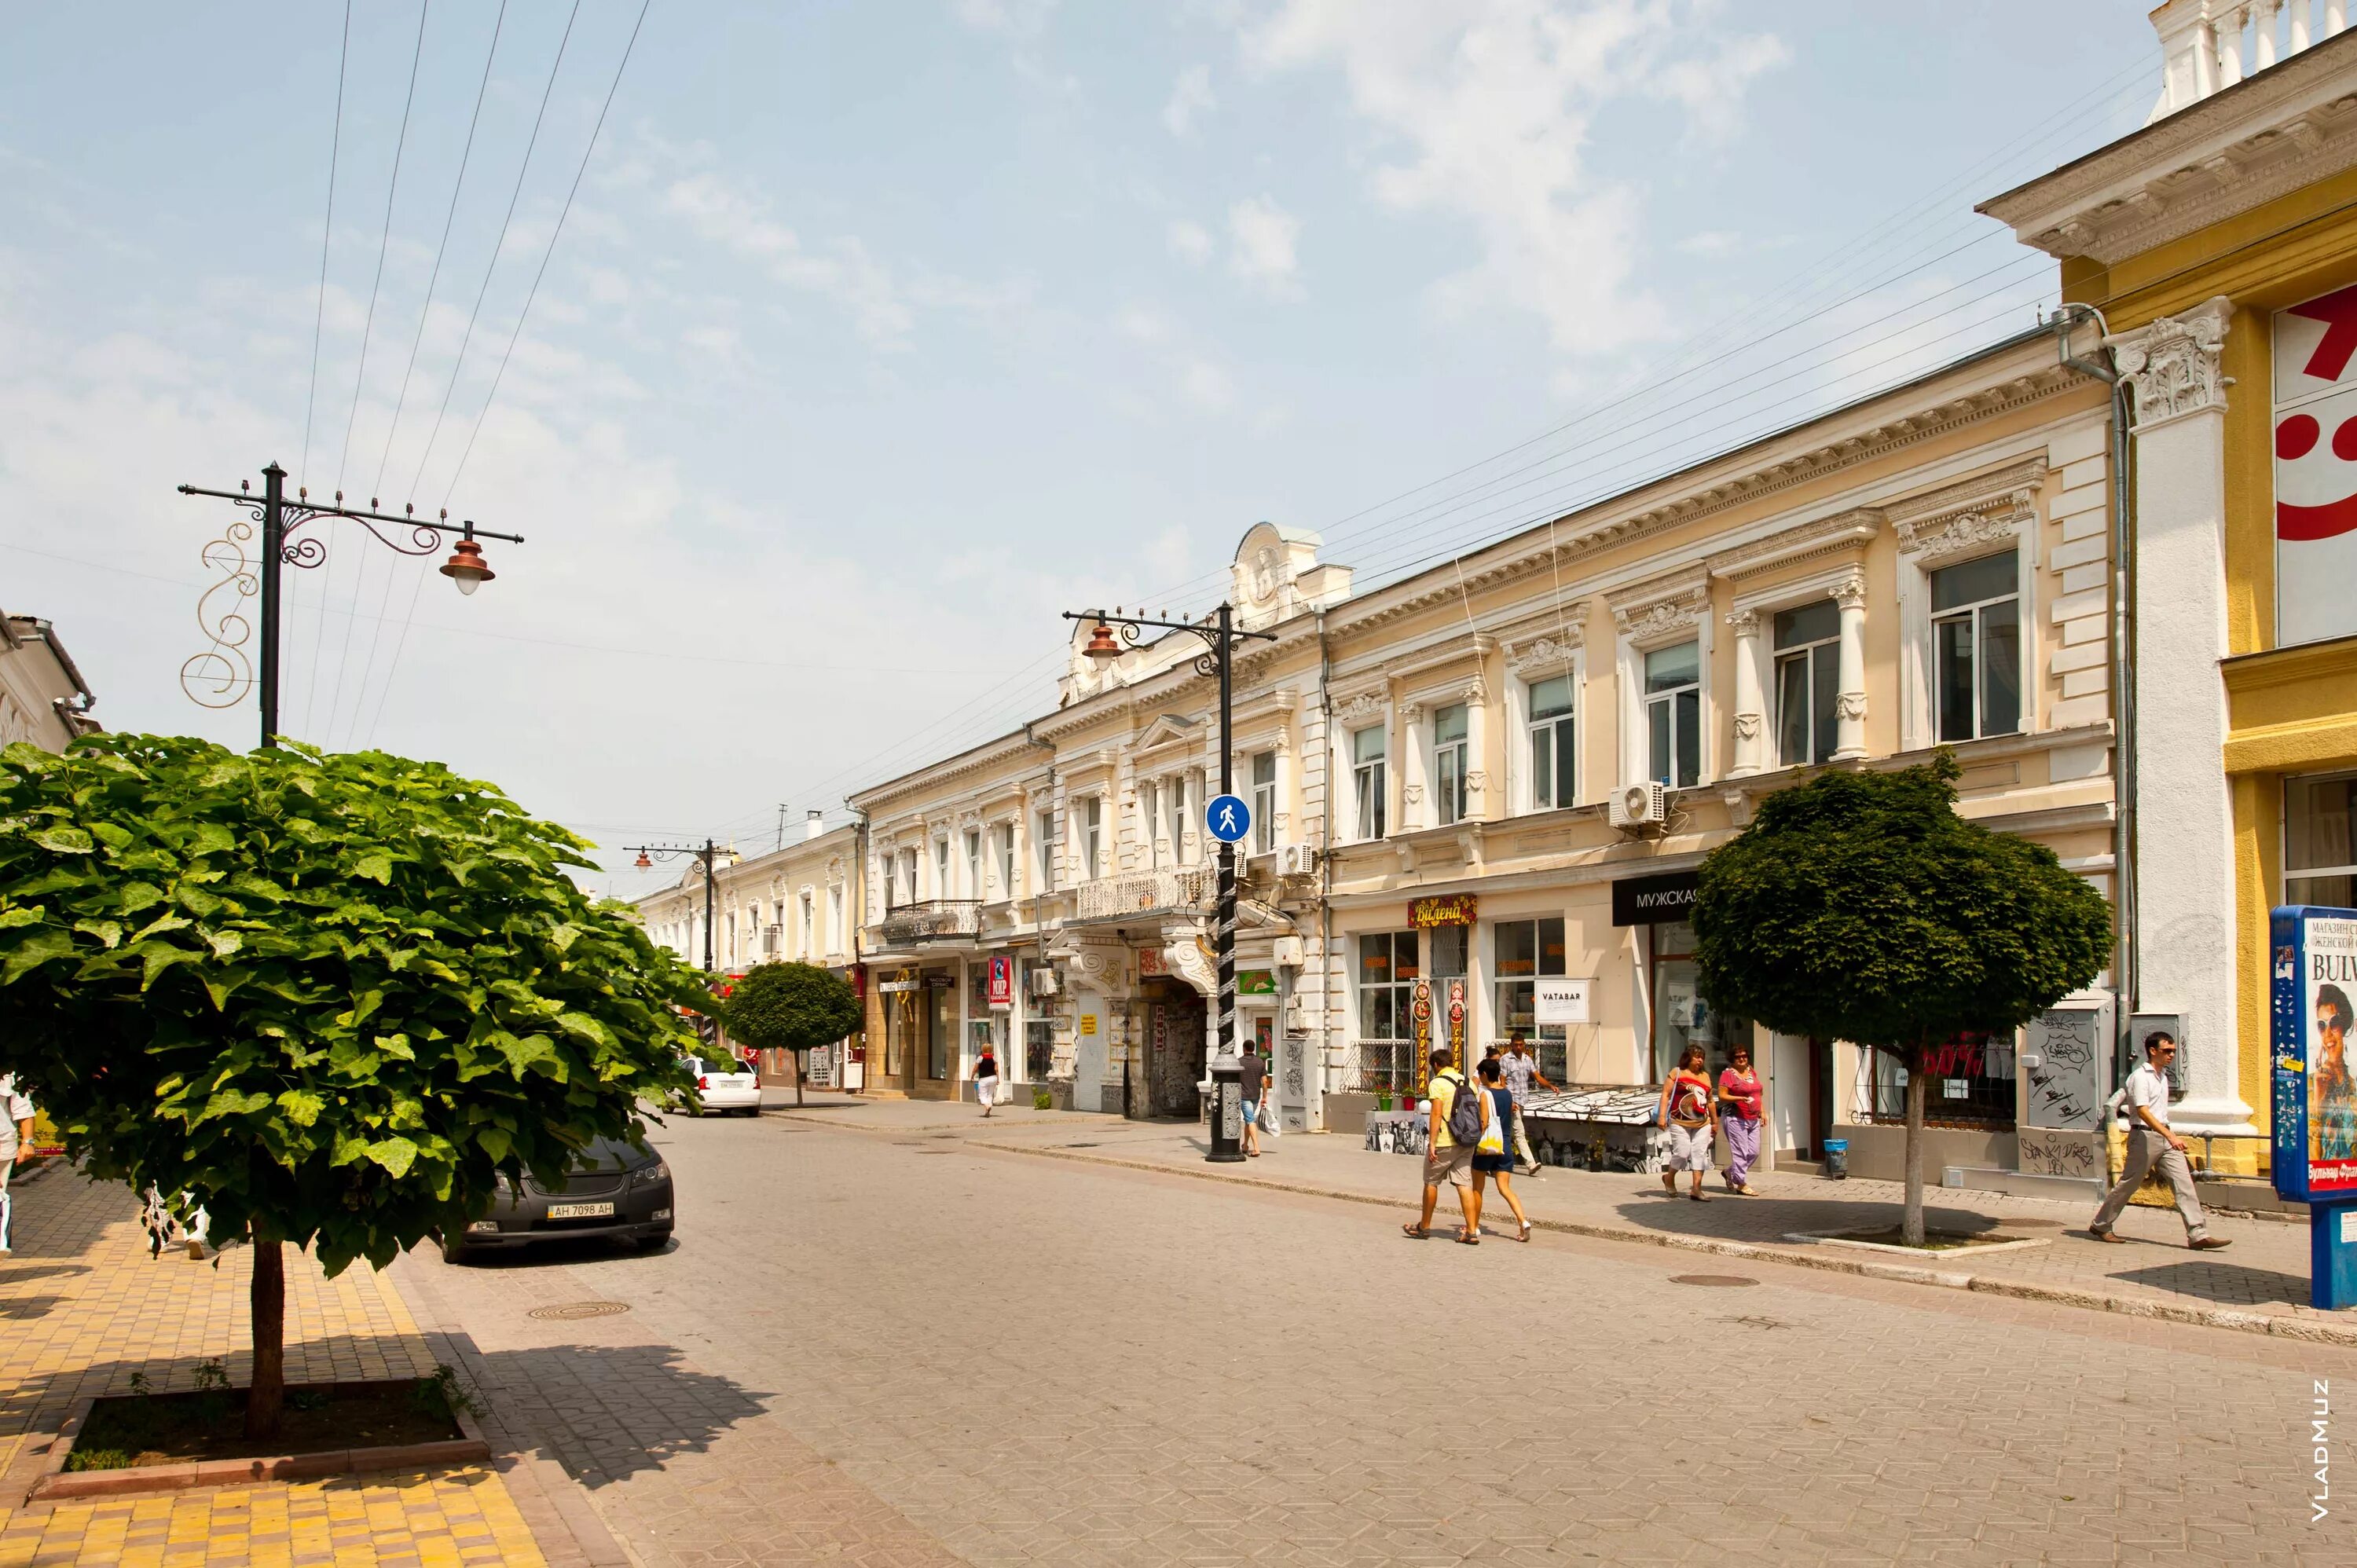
x,y
1280,832
1411,767
2185,933
2230,44
1850,703
1477,751
1751,717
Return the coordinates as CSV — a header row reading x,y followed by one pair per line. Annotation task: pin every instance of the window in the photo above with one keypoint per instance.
x,y
1808,682
1176,792
907,876
2320,861
1263,802
1674,716
1386,1045
832,938
974,863
1006,831
1367,776
1092,838
1044,849
941,867
1976,648
1149,816
731,928
809,918
1551,746
1681,1015
1520,951
1968,1082
1449,728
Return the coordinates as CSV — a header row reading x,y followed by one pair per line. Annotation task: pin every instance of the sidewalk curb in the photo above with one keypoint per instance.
x,y
2282,1327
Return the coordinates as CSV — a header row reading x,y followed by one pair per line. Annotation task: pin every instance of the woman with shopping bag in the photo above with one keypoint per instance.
x,y
1493,1157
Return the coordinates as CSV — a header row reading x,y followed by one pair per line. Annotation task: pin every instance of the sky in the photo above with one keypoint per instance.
x,y
823,354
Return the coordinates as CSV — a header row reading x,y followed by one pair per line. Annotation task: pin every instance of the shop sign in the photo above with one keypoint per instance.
x,y
858,974
2315,977
1150,962
1457,1019
1558,999
1420,1009
940,980
1002,980
896,987
1441,910
1654,900
1087,1023
1255,983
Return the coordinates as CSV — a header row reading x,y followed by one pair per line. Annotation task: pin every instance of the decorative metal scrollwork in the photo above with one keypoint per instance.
x,y
221,675
424,539
1208,664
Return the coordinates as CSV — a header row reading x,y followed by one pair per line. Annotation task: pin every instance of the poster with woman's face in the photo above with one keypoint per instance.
x,y
2330,979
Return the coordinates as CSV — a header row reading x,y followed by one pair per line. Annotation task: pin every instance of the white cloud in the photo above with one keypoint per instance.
x,y
1709,242
1021,18
1260,251
1492,104
845,272
1190,243
1206,386
1191,96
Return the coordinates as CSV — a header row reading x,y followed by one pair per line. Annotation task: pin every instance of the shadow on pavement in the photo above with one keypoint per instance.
x,y
569,1249
28,1306
2231,1284
1731,1218
607,1412
21,1273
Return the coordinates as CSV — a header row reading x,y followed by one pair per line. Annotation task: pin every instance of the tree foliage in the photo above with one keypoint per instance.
x,y
1860,907
326,997
794,1007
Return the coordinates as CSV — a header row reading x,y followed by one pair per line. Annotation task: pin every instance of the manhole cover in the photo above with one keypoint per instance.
x,y
1712,1280
574,1309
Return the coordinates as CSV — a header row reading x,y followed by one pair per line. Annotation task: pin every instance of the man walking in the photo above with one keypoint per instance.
x,y
1521,1070
2151,1144
1255,1082
1445,1159
15,1146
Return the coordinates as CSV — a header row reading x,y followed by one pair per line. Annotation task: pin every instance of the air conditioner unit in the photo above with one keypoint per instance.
x,y
1043,983
1643,805
1295,859
1286,952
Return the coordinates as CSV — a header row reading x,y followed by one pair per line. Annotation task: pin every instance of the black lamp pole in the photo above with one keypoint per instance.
x,y
222,667
650,853
1113,636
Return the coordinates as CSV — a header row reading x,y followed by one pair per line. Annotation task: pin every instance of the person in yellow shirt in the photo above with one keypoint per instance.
x,y
1445,1159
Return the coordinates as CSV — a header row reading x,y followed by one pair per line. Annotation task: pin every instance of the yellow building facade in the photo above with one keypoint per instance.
x,y
2215,253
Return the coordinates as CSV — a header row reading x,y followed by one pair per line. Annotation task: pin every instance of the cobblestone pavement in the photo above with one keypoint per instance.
x,y
906,1349
83,1306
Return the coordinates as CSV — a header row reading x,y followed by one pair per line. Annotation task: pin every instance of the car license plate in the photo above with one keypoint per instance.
x,y
580,1210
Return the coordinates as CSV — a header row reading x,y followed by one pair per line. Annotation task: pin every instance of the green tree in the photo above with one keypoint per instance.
x,y
1860,907
792,1007
324,997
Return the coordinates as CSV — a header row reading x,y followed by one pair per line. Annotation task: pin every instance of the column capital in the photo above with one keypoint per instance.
x,y
1849,594
2171,364
1743,623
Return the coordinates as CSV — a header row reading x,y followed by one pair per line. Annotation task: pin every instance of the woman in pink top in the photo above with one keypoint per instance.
x,y
1738,1110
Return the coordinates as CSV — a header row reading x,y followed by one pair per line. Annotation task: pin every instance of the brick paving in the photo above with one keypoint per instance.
x,y
902,1346
84,1308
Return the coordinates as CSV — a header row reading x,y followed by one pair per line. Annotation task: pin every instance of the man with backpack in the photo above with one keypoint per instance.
x,y
1453,1132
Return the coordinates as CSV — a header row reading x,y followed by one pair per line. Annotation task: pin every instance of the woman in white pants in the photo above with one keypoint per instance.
x,y
985,1080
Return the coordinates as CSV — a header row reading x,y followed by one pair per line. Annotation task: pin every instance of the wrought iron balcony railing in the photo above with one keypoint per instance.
x,y
1148,893
929,920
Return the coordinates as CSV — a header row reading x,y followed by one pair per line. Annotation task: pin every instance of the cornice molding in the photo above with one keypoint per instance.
x,y
1974,511
1662,606
1839,533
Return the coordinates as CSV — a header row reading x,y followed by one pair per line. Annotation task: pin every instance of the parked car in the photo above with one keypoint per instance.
x,y
613,1188
727,1083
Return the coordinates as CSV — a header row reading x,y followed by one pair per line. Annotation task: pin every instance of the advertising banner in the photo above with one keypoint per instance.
x,y
2315,433
1002,980
2315,1099
1558,999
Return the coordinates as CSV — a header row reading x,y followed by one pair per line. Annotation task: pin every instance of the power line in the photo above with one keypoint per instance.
x,y
549,254
327,232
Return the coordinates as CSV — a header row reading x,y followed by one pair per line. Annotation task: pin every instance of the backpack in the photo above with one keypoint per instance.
x,y
1468,1118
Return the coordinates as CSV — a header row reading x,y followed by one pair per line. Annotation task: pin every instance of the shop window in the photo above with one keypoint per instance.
x,y
1452,947
1038,1033
1681,1017
1968,1082
2319,857
941,1056
1552,752
1808,681
1976,648
1674,716
981,1024
1448,762
1520,951
1385,1049
1367,776
1263,802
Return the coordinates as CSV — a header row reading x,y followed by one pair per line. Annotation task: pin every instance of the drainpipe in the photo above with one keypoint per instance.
x,y
2126,973
1325,869
867,987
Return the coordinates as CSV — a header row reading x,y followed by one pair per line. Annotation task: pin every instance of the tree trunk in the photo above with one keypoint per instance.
x,y
267,1397
1910,1225
798,1077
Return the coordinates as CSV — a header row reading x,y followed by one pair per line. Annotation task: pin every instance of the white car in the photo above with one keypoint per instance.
x,y
726,1083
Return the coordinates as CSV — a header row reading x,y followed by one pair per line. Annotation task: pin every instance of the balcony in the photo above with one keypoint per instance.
x,y
929,920
1148,893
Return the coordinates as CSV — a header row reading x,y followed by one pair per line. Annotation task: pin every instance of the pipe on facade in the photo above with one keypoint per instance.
x,y
1325,871
2126,972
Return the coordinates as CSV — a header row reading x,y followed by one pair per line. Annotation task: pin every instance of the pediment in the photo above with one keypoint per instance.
x,y
1169,729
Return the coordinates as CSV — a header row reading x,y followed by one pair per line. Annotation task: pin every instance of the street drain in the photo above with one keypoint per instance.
x,y
1711,1280
575,1309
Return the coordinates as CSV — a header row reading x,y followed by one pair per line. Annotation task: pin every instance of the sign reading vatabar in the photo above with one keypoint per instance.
x,y
1556,999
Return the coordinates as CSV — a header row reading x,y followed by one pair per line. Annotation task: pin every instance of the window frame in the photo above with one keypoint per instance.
x,y
1092,838
974,863
1264,801
2024,642
1371,785
1562,739
1044,849
1648,700
2289,873
1550,1042
1806,653
1448,804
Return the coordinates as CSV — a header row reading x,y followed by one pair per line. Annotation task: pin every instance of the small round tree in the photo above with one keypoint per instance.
x,y
324,998
794,1007
1860,907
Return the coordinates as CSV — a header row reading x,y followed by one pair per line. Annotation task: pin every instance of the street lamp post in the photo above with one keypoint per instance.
x,y
708,856
1108,638
222,668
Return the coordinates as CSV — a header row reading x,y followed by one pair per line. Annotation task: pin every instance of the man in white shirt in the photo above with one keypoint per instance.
x,y
2144,1102
15,1144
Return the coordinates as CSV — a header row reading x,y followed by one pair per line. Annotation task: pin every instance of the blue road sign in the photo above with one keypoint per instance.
x,y
1228,818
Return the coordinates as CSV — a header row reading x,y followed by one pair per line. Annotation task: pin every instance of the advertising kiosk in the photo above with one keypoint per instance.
x,y
2314,967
